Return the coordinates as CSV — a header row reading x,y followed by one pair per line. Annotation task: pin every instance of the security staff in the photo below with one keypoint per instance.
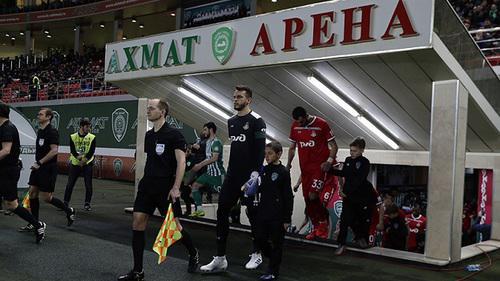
x,y
82,145
10,169
163,173
247,131
44,171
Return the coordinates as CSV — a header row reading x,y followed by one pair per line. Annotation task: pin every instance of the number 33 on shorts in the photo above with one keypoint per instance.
x,y
317,184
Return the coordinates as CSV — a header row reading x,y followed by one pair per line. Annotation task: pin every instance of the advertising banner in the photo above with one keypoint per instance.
x,y
326,30
215,12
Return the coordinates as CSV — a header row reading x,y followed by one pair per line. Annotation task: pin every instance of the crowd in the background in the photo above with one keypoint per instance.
x,y
10,6
481,14
53,72
57,67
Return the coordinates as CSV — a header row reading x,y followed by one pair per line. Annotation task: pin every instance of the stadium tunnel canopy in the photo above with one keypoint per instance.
x,y
404,74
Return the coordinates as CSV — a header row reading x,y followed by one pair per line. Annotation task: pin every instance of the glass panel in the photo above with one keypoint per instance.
x,y
457,39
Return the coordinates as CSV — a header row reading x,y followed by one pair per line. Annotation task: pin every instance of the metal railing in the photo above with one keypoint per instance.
x,y
78,88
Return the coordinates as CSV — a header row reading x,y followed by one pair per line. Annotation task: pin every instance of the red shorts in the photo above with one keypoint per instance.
x,y
322,183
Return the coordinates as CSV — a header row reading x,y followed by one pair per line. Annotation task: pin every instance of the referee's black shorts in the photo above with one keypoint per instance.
x,y
153,193
9,176
44,178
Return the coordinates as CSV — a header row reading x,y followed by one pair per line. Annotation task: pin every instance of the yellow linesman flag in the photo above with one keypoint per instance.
x,y
168,235
26,201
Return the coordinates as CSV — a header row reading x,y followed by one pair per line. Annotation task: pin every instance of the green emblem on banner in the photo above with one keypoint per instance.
x,y
223,44
117,166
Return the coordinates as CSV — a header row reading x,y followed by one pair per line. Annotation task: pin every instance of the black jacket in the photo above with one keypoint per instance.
x,y
275,194
357,188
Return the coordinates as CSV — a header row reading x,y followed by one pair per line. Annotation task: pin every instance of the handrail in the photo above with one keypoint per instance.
x,y
481,30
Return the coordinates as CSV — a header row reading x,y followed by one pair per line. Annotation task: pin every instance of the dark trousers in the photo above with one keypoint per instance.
x,y
270,236
229,196
73,174
357,216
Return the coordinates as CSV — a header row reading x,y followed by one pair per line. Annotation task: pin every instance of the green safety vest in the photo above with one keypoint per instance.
x,y
82,146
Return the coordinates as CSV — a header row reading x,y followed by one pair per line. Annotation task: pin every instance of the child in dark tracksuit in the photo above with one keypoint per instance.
x,y
274,210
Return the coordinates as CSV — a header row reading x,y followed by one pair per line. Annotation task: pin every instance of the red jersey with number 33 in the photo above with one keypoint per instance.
x,y
312,142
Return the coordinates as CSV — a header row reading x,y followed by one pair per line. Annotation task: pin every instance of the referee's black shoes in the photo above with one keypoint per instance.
x,y
132,276
71,216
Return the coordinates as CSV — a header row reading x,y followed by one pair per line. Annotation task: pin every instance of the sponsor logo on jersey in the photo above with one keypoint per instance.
x,y
313,134
310,143
337,207
240,138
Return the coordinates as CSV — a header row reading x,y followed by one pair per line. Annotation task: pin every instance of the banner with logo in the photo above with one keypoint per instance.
x,y
485,196
215,12
114,124
325,30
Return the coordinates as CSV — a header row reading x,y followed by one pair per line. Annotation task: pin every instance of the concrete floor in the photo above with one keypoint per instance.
x,y
97,248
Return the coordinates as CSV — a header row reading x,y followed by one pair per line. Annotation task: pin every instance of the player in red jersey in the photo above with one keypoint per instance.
x,y
416,223
317,153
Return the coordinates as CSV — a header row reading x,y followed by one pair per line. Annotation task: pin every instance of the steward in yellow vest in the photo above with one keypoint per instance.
x,y
82,146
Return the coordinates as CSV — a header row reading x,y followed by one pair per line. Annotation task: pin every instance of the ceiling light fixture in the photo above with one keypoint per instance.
x,y
172,14
334,97
134,20
211,97
203,103
13,38
124,37
21,33
378,132
101,25
141,25
49,36
347,107
274,1
46,31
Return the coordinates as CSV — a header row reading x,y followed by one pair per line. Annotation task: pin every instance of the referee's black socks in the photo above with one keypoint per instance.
x,y
35,207
59,204
25,215
138,242
188,242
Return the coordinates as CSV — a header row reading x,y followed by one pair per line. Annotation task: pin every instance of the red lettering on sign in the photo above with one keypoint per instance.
x,y
291,32
262,41
320,29
403,22
364,24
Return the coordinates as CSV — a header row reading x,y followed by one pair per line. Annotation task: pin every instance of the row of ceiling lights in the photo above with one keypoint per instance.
x,y
210,102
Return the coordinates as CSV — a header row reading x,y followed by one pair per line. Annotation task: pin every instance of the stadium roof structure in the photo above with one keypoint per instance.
x,y
404,74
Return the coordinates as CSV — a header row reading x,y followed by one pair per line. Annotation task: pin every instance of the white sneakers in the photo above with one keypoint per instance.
x,y
217,264
220,263
254,262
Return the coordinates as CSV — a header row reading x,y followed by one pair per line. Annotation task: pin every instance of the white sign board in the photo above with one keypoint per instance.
x,y
325,30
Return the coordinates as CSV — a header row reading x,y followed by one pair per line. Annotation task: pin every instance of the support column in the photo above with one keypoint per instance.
x,y
142,128
117,30
446,171
28,43
178,18
76,46
495,213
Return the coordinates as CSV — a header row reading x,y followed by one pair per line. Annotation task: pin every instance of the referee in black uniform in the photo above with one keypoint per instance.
x,y
247,132
44,171
165,164
10,169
